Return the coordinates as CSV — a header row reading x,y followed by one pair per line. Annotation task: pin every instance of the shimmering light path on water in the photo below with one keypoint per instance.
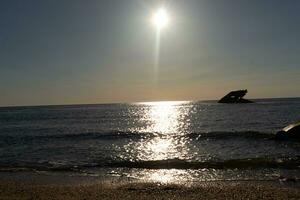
x,y
157,141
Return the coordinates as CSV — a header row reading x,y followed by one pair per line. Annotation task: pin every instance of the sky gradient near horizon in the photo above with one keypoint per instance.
x,y
93,51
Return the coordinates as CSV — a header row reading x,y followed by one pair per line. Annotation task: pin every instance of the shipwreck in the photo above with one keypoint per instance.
x,y
235,97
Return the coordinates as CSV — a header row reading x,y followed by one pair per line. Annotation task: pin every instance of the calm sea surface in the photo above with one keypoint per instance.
x,y
155,141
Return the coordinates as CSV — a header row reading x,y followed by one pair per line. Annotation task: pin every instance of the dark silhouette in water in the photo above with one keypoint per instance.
x,y
291,131
235,97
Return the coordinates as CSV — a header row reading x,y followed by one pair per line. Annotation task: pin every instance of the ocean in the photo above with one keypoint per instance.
x,y
165,142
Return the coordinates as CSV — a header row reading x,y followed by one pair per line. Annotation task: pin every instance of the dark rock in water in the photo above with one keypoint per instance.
x,y
285,179
235,97
291,131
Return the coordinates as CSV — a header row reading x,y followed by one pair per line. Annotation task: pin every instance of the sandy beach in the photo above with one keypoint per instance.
x,y
97,190
163,150
155,100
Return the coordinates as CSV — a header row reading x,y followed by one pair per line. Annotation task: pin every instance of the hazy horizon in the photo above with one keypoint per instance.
x,y
92,52
143,102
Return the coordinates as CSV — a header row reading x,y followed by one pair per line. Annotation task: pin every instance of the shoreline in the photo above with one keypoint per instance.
x,y
206,190
16,185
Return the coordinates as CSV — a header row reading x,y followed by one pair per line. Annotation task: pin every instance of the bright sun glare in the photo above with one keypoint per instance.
x,y
160,18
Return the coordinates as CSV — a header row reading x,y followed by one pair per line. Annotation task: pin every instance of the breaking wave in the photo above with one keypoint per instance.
x,y
250,163
112,135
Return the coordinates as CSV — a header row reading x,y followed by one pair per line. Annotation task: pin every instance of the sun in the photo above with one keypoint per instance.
x,y
160,18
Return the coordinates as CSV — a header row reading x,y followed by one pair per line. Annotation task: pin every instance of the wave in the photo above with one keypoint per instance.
x,y
112,135
250,163
232,134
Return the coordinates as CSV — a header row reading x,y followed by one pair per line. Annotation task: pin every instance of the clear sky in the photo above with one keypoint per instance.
x,y
93,51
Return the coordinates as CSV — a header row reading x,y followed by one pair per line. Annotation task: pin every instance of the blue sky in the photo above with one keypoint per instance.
x,y
93,51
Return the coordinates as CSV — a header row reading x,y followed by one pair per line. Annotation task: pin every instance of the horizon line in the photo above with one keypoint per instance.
x,y
135,102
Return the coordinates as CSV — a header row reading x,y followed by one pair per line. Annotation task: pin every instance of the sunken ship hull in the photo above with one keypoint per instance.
x,y
235,97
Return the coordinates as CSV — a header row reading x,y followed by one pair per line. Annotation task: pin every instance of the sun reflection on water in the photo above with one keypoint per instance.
x,y
165,120
163,124
165,116
167,176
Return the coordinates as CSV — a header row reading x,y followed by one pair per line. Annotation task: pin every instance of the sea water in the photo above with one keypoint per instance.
x,y
153,141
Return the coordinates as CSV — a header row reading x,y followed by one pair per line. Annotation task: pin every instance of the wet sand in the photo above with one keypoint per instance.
x,y
208,190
